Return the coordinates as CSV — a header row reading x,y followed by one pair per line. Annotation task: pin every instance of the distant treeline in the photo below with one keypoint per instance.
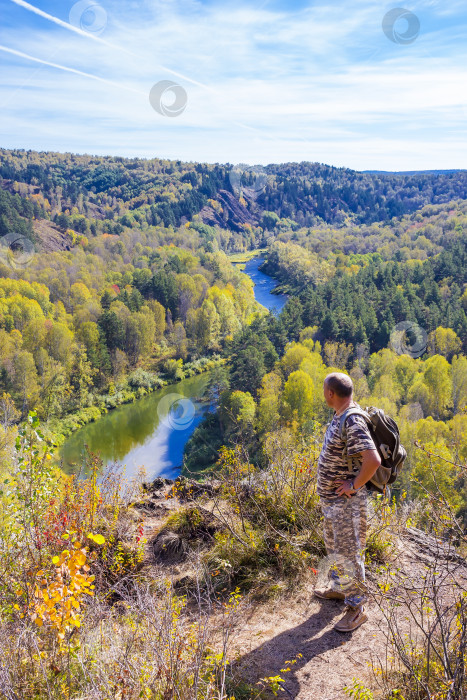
x,y
138,192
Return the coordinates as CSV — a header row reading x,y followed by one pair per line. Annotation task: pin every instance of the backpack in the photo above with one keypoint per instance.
x,y
385,433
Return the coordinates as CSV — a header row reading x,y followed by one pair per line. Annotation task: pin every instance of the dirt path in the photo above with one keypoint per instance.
x,y
269,635
276,634
279,632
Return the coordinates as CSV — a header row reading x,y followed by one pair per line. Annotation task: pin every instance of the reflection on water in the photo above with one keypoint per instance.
x,y
149,433
263,286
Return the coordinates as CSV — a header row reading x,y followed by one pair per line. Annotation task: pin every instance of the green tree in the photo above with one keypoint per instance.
x,y
88,334
269,396
269,220
459,383
294,355
297,398
81,378
291,318
113,330
437,377
240,407
207,326
443,341
25,385
248,370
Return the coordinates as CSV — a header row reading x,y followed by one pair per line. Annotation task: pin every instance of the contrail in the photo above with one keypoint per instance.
x,y
66,25
89,35
70,70
90,75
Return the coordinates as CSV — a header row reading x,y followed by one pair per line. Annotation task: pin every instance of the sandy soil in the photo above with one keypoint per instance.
x,y
276,634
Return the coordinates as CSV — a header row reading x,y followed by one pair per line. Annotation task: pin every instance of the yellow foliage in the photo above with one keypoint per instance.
x,y
56,602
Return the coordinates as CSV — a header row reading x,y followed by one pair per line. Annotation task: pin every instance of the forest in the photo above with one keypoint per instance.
x,y
105,194
82,330
112,316
132,287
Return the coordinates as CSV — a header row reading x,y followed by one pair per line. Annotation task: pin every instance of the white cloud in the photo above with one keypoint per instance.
x,y
322,83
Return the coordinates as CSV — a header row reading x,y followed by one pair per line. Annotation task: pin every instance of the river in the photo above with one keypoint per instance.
x,y
152,432
149,433
264,284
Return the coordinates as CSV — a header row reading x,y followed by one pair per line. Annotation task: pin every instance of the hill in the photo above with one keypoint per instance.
x,y
114,192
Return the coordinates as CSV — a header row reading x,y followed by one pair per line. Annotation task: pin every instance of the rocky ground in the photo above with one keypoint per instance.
x,y
270,635
49,238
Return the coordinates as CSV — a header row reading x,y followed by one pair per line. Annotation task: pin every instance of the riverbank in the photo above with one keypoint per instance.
x,y
259,275
147,434
137,385
140,382
239,259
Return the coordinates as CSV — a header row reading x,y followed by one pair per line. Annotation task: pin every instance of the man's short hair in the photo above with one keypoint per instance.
x,y
340,383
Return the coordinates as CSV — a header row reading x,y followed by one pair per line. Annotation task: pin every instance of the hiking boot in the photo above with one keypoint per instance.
x,y
352,618
329,594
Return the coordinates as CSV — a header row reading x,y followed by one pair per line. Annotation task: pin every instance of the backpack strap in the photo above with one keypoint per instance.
x,y
351,411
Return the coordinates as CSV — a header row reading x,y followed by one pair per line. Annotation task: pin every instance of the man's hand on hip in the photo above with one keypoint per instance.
x,y
345,487
370,463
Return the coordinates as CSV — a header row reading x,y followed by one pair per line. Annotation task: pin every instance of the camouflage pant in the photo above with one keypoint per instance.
x,y
345,523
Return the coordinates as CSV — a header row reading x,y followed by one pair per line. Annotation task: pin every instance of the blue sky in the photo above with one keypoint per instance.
x,y
265,82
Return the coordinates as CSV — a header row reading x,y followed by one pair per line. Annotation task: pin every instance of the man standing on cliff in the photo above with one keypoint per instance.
x,y
343,499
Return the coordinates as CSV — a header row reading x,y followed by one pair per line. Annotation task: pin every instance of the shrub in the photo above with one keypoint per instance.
x,y
269,520
65,542
140,378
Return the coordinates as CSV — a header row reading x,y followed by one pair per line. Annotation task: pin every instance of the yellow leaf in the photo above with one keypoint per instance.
x,y
80,559
98,539
55,560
